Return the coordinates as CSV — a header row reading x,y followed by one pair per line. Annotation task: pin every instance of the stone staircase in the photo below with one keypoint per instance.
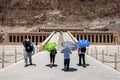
x,y
60,40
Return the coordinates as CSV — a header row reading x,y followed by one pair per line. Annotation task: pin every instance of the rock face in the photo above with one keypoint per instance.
x,y
90,9
32,12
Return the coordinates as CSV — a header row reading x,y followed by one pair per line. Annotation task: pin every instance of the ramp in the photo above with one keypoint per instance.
x,y
42,71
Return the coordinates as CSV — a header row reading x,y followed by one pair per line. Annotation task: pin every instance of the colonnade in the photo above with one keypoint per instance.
x,y
96,37
34,37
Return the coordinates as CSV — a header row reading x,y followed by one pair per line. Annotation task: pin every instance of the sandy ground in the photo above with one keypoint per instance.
x,y
109,54
9,54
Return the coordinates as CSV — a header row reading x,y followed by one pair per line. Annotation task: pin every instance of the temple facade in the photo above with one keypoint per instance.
x,y
35,37
95,37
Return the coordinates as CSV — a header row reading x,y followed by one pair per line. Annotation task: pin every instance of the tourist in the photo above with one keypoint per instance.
x,y
81,54
29,50
67,53
52,57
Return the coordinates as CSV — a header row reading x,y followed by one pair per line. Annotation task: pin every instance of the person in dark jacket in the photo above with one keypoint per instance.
x,y
29,50
81,53
52,57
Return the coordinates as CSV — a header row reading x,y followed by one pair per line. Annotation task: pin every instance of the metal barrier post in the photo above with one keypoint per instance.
x,y
102,56
91,52
96,54
115,60
15,55
3,58
118,49
106,49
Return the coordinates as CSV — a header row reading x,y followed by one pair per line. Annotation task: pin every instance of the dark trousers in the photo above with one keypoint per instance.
x,y
81,57
66,63
52,58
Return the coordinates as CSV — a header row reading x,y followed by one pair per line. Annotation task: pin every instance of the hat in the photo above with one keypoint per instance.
x,y
28,39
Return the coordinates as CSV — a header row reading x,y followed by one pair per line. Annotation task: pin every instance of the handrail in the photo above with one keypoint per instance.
x,y
73,38
45,42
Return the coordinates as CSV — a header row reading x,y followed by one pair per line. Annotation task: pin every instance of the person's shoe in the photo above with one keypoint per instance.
x,y
50,65
84,66
31,64
34,64
53,65
26,65
79,64
65,68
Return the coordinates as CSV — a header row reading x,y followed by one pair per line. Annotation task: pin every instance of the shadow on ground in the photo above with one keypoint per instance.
x,y
84,65
49,65
70,70
30,65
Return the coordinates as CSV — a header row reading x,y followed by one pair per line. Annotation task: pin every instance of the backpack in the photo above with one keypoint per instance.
x,y
53,52
28,48
83,49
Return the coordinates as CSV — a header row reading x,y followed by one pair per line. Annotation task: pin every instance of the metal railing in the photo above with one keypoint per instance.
x,y
13,53
10,54
111,59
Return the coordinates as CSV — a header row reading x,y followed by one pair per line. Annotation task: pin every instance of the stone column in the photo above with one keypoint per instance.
x,y
21,38
79,36
106,39
34,38
75,36
98,38
95,38
15,38
83,36
86,36
42,38
110,39
91,38
102,36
